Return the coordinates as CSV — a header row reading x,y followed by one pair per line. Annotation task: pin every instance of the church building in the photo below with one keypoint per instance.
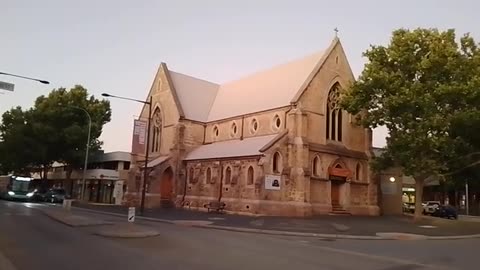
x,y
275,142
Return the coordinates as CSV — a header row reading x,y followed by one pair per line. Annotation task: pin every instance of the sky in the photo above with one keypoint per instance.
x,y
116,46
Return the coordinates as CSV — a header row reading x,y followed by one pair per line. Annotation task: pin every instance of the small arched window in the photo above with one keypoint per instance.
x,y
191,175
228,176
333,130
208,178
215,131
250,175
277,163
316,166
358,172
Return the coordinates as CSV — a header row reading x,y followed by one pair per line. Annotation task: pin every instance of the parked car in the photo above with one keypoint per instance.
x,y
445,211
430,207
56,195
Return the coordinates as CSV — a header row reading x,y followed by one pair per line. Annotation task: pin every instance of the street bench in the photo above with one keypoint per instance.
x,y
216,206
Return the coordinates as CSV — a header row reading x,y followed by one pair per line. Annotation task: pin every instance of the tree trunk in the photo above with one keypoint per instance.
x,y
418,198
45,176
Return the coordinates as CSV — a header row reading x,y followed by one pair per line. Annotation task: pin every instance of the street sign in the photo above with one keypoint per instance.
x,y
131,214
7,86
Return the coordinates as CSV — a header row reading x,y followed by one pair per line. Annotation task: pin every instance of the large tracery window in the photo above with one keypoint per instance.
x,y
334,115
156,130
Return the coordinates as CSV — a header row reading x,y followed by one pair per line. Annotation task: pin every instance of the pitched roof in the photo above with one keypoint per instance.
x,y
157,161
273,88
195,95
233,148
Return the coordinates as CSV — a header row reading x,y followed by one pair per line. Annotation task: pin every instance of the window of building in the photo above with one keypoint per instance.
x,y
277,163
277,122
228,176
126,165
333,130
250,175
316,166
253,126
208,178
191,173
156,130
215,131
358,172
234,129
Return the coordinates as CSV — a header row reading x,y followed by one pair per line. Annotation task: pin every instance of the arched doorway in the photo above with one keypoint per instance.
x,y
338,175
166,188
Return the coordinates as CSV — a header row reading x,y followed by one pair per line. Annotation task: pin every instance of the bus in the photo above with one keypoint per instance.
x,y
18,188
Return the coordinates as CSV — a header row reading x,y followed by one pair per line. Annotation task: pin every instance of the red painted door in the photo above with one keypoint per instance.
x,y
335,193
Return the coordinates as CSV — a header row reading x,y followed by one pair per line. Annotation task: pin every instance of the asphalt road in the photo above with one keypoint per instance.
x,y
30,240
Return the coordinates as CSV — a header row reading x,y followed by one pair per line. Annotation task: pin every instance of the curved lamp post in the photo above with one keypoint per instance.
x,y
23,77
145,174
87,146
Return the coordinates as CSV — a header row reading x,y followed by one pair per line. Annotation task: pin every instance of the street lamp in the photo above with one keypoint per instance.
x,y
87,146
23,77
145,174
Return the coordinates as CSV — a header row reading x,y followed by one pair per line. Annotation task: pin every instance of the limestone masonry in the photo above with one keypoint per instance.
x,y
272,143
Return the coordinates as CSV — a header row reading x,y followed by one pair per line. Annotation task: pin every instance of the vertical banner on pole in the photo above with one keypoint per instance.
x,y
139,136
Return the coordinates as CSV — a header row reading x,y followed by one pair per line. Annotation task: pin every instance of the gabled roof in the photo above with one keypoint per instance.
x,y
271,88
276,87
233,148
195,95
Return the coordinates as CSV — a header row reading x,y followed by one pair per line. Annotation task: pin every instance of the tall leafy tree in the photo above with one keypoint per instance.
x,y
55,129
417,86
68,113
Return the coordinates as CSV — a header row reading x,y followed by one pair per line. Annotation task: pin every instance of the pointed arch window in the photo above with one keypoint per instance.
x,y
191,173
333,130
156,130
228,176
250,175
358,172
316,166
208,178
277,163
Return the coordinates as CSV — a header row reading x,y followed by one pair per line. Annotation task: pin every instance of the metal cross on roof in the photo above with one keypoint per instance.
x,y
336,31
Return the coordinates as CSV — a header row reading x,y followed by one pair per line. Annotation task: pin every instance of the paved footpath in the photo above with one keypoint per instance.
x,y
361,227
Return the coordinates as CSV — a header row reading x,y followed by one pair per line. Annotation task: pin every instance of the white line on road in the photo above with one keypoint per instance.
x,y
382,258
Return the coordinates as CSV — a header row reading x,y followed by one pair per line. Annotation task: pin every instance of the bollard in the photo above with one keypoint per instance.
x,y
67,204
131,214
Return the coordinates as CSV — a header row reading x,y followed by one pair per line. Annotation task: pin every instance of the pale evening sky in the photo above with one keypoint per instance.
x,y
116,46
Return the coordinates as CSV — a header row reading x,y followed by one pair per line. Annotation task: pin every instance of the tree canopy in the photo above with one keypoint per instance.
x,y
55,129
424,87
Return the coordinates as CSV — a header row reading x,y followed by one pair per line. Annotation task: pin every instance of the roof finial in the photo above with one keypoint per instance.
x,y
336,31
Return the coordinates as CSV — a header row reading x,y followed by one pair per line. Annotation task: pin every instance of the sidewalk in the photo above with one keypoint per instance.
x,y
368,227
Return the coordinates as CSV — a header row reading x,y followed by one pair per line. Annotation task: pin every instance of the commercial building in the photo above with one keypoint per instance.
x,y
104,179
274,143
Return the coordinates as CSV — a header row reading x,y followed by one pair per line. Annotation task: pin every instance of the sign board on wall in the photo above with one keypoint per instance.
x,y
139,136
273,182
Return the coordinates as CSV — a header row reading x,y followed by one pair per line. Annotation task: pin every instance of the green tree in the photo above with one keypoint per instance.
x,y
416,86
16,142
65,113
55,129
